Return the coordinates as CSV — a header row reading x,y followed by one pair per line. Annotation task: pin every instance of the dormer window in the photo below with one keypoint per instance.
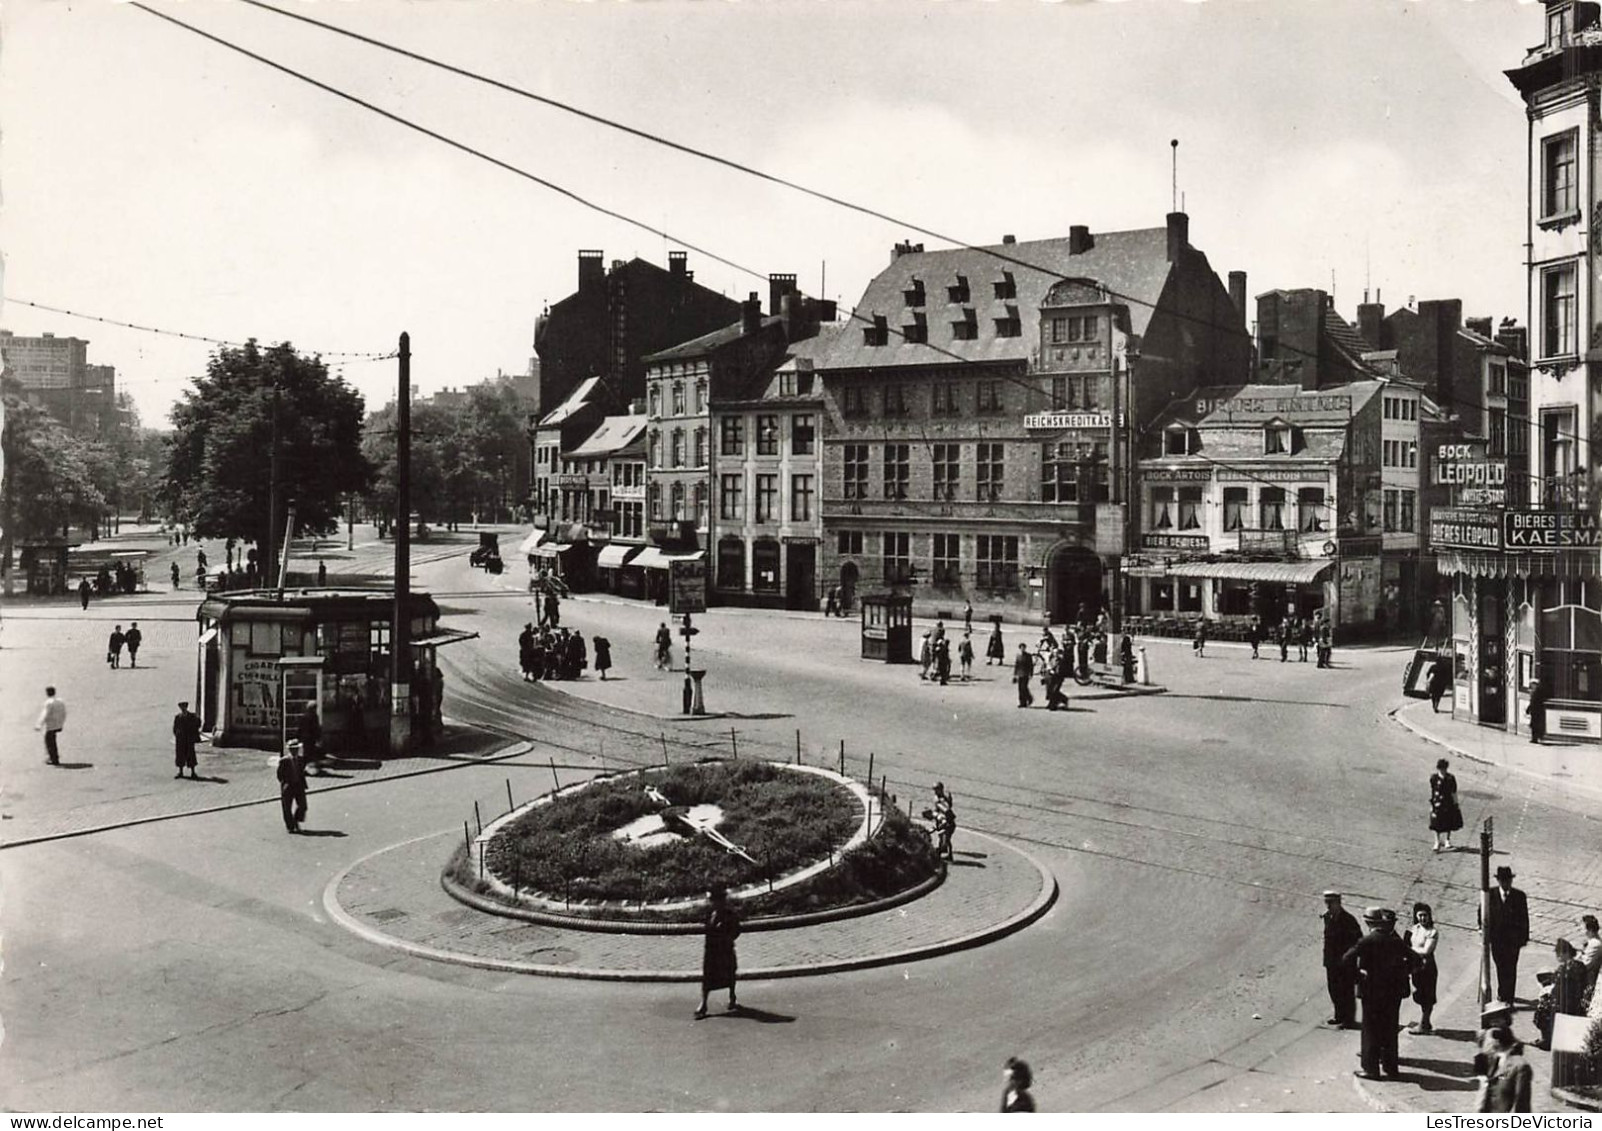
x,y
1559,26
958,291
878,334
913,295
918,329
1006,287
1012,325
1277,439
1178,440
968,329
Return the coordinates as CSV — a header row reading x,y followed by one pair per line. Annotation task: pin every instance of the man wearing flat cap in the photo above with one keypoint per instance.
x,y
1507,929
1383,963
185,734
1341,933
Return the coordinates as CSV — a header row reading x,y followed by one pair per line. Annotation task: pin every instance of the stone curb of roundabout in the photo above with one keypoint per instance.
x,y
979,936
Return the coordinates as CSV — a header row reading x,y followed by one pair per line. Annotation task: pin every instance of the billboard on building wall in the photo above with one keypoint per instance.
x,y
1455,529
1473,479
1551,530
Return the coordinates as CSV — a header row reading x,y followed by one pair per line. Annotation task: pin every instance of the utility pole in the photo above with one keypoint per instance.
x,y
400,647
1485,911
269,552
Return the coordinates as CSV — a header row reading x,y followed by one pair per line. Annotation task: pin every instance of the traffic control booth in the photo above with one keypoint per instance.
x,y
263,654
887,627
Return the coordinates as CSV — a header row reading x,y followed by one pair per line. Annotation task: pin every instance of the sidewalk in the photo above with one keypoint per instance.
x,y
1569,766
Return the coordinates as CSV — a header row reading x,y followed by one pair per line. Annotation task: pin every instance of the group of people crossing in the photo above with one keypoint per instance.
x,y
549,653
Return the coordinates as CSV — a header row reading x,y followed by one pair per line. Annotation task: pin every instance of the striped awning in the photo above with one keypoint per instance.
x,y
1276,573
1574,563
615,555
551,549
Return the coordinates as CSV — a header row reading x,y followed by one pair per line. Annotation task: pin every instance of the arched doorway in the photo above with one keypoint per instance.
x,y
1073,578
848,585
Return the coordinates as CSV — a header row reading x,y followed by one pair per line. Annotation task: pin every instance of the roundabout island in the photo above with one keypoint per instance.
x,y
607,879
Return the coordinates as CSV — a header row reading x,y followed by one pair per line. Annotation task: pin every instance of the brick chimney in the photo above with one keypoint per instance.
x,y
1515,337
678,263
1178,234
1480,326
1008,240
778,287
751,313
1237,292
1079,239
905,247
1371,321
592,269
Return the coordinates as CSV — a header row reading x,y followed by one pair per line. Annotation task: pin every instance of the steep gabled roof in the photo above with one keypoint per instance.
x,y
612,435
1346,340
1133,264
574,401
708,343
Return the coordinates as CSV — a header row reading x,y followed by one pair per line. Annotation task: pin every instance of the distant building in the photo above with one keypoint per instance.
x,y
601,488
979,416
55,374
614,319
558,431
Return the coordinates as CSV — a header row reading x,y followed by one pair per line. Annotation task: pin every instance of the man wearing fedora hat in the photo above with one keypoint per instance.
x,y
1341,932
185,734
1383,963
1507,929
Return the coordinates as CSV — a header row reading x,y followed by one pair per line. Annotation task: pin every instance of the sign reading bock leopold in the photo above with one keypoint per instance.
x,y
1465,530
1551,530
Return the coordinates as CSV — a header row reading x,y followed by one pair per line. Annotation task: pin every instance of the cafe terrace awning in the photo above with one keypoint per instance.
x,y
1574,563
526,546
614,555
551,549
653,558
1276,573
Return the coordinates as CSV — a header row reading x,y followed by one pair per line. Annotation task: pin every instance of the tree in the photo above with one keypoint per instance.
x,y
265,426
46,483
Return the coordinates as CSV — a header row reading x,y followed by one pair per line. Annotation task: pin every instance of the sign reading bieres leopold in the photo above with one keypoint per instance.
x,y
1465,530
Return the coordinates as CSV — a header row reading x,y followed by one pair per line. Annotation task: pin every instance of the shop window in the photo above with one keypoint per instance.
x,y
1190,596
765,565
1162,596
1571,642
731,563
1234,508
1236,600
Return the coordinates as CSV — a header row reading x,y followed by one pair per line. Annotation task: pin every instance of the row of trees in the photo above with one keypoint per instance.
x,y
261,427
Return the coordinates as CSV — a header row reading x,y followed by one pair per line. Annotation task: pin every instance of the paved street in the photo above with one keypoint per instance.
x,y
188,963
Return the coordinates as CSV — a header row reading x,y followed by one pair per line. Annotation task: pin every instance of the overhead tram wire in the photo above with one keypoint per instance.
x,y
577,198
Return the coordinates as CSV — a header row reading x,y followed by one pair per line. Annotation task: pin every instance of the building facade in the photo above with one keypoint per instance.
x,y
1526,602
55,374
979,414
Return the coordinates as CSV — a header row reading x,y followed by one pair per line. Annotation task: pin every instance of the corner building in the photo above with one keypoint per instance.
x,y
979,414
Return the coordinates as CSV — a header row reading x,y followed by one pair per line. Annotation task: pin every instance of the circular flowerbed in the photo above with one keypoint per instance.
x,y
648,844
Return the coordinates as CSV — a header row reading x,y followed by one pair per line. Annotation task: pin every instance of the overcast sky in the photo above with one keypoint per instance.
x,y
154,177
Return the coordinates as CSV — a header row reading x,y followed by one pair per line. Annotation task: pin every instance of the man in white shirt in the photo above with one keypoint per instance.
x,y
51,720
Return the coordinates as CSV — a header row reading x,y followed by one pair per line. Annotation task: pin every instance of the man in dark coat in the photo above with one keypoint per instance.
x,y
1507,928
309,729
1287,628
1536,710
525,652
1022,669
718,964
292,790
1341,933
133,639
1440,680
185,734
114,647
1383,964
83,593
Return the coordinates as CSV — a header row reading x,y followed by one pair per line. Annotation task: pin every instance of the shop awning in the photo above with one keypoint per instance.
x,y
442,636
526,546
615,555
650,558
1275,573
551,549
1484,564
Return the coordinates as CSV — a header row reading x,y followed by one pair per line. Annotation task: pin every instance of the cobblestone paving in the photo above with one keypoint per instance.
x,y
396,893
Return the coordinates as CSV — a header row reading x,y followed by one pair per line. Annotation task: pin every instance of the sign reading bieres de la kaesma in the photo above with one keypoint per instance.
x,y
1551,530
1452,529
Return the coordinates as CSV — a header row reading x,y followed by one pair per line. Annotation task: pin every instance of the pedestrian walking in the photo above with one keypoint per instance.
x,y
1508,1075
292,789
83,593
52,720
1304,637
1341,933
322,573
719,967
1591,959
1507,927
1057,670
1015,1095
1254,635
114,645
553,610
831,602
1383,964
177,576
603,654
664,647
1326,643
1283,636
925,655
185,734
1198,643
437,679
1535,708
1445,815
1126,657
1022,669
525,652
967,617
133,638
995,650
1422,937
309,729
1440,680
965,656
